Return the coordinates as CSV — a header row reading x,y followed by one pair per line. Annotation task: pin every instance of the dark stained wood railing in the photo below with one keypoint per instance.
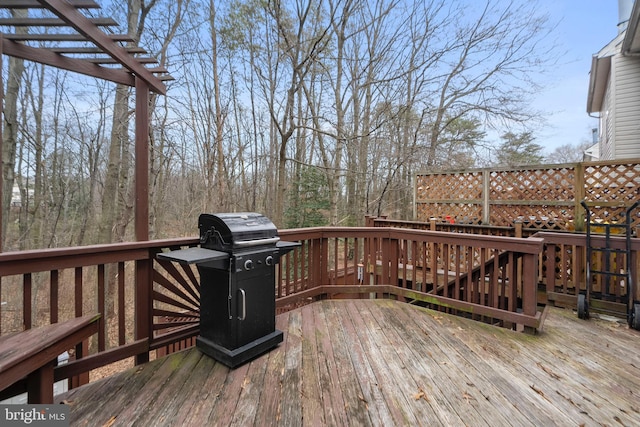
x,y
150,305
484,276
561,273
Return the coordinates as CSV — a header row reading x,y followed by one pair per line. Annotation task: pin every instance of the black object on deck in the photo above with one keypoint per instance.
x,y
610,269
236,260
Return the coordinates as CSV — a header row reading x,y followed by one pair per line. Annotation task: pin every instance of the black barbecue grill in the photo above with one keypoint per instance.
x,y
236,261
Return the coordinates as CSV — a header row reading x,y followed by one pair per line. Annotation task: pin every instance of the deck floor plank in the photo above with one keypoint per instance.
x,y
585,366
252,389
455,387
369,380
346,351
224,407
87,402
312,411
271,396
496,386
477,391
168,398
381,363
332,397
398,384
291,399
207,379
144,402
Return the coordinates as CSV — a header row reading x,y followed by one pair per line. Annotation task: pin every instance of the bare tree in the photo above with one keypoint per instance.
x,y
487,66
10,128
569,153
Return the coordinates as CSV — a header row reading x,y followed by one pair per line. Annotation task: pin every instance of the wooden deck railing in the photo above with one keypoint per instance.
x,y
152,305
484,276
561,273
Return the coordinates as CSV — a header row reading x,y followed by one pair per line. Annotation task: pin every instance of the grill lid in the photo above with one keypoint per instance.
x,y
229,231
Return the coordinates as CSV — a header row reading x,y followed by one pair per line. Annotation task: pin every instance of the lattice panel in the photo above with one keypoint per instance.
x,y
541,217
464,186
546,196
533,184
612,183
461,213
612,215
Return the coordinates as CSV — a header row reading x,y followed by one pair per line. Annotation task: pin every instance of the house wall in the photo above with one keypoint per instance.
x,y
607,114
626,75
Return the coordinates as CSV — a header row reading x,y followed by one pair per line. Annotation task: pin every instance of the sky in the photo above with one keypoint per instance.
x,y
585,27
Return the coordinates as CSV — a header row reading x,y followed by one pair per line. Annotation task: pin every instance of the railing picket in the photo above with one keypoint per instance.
x,y
494,287
445,270
459,260
121,305
27,288
513,282
78,292
295,266
102,308
53,296
82,349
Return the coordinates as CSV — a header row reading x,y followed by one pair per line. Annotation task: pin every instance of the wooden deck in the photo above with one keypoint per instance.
x,y
381,362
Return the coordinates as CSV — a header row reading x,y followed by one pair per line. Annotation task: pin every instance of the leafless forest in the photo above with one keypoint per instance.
x,y
312,112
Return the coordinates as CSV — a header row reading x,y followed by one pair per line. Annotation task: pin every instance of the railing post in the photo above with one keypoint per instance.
x,y
394,259
144,309
369,221
529,287
578,211
550,276
517,229
385,257
486,202
323,268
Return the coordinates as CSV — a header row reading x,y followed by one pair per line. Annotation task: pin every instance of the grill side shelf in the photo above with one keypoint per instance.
x,y
194,256
286,247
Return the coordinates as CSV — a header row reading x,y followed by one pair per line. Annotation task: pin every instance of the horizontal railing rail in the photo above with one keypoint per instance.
x,y
148,304
561,273
461,272
562,270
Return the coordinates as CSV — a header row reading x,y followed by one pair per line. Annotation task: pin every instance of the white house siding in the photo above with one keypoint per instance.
x,y
626,77
606,124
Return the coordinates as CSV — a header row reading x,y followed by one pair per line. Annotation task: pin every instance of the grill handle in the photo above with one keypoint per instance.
x,y
257,242
243,307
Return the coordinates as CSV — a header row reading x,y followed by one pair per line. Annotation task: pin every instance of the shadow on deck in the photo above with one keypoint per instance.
x,y
382,362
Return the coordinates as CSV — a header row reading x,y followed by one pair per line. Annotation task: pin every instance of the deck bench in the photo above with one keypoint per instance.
x,y
33,354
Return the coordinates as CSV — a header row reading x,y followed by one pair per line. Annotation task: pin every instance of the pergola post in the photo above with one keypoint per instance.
x,y
1,144
77,29
142,161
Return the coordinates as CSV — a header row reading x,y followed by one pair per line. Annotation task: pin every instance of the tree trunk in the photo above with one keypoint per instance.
x,y
10,130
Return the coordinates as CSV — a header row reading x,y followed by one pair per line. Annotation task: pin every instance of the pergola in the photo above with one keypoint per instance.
x,y
65,37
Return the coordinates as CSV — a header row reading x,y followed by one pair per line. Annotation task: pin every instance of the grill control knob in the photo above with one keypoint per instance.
x,y
269,260
248,264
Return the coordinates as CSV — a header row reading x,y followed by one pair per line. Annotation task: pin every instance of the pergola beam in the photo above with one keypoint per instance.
x,y
83,25
52,22
81,66
35,4
64,37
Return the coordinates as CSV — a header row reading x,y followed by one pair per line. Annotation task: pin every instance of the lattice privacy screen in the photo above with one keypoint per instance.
x,y
545,197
